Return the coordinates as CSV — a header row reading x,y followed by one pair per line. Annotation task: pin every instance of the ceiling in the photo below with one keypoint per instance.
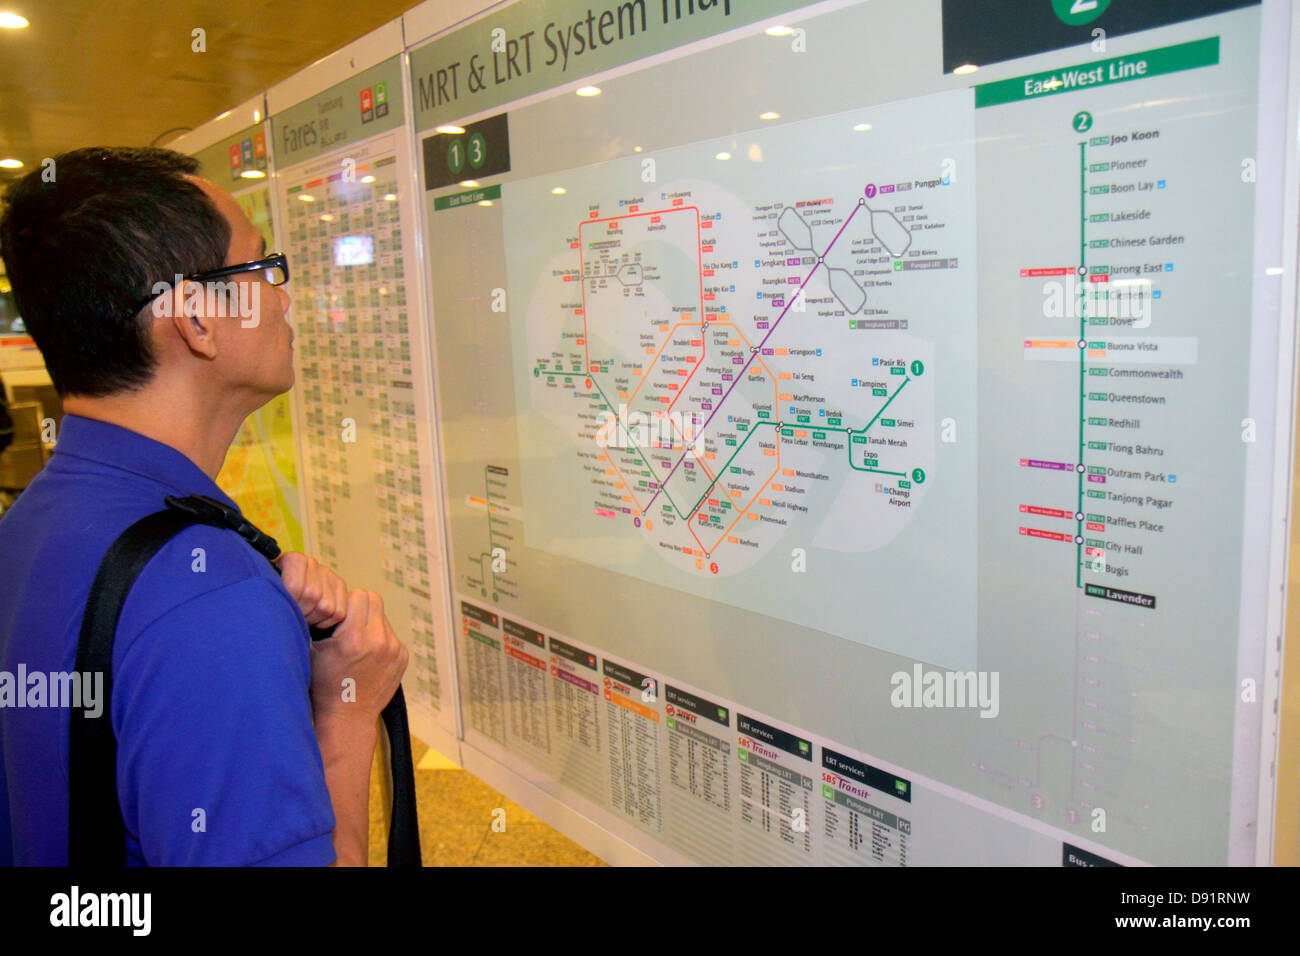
x,y
122,72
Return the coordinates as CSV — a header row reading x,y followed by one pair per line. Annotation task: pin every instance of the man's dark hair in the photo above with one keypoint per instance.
x,y
82,250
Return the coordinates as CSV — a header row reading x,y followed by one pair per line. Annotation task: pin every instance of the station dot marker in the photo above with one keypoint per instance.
x,y
861,201
1078,516
821,259
1078,539
1082,344
1082,270
1079,469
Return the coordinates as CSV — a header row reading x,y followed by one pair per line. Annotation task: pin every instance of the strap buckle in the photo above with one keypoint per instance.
x,y
212,512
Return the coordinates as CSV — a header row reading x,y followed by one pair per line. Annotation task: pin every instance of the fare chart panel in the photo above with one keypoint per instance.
x,y
853,458
366,433
260,471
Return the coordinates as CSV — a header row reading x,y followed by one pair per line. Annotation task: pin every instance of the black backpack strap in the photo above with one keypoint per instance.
x,y
210,511
404,824
96,831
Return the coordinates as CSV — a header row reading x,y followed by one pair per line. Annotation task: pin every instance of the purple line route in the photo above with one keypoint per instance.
x,y
754,354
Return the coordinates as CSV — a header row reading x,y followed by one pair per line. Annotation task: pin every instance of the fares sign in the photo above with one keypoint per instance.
x,y
358,107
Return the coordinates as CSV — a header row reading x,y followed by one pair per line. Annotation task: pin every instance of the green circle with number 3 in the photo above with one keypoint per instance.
x,y
477,150
1075,12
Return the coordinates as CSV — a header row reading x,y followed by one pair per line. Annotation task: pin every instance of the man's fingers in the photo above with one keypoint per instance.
x,y
293,566
310,594
339,599
320,594
358,606
333,604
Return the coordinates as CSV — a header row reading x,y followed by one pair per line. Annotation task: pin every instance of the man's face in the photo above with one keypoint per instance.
x,y
254,339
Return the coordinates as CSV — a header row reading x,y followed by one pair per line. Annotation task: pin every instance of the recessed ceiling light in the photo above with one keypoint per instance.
x,y
485,202
769,115
367,179
390,197
222,116
636,149
779,31
449,128
559,190
723,156
12,21
966,68
469,183
326,217
862,127
11,164
306,197
252,174
257,116
588,91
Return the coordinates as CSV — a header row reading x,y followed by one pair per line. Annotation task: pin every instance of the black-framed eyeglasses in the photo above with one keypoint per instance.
x,y
275,269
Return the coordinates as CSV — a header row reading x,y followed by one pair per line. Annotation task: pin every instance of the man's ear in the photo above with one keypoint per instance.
x,y
191,322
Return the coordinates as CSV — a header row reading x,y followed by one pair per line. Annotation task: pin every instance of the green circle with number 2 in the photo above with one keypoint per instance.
x,y
1075,12
477,150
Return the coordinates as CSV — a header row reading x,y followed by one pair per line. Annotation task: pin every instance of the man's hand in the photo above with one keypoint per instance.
x,y
321,594
354,675
363,651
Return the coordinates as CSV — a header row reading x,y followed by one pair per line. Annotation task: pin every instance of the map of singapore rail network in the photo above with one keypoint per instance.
x,y
739,385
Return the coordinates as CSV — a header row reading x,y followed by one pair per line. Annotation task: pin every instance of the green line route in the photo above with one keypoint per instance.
x,y
1083,353
490,553
723,470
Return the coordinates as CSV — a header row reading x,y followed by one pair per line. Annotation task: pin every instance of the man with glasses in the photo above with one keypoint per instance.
x,y
274,269
162,321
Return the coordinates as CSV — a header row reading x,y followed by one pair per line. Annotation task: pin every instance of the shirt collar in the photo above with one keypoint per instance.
x,y
126,450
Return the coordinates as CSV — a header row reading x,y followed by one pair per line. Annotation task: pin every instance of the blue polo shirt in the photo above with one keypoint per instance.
x,y
217,761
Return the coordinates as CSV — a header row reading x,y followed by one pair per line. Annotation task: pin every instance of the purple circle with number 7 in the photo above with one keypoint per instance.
x,y
870,190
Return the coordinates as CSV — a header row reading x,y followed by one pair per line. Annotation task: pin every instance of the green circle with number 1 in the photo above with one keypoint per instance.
x,y
477,150
918,476
917,367
455,157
